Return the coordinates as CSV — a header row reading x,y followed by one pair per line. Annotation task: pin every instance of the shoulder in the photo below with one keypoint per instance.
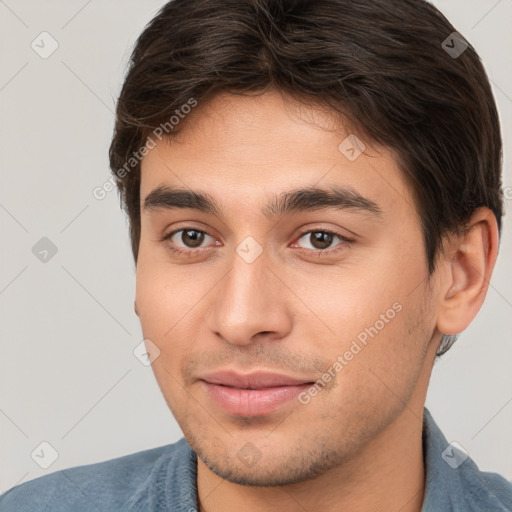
x,y
486,490
454,480
107,485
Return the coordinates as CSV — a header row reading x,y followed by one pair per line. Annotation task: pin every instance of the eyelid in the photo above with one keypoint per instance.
x,y
185,226
332,231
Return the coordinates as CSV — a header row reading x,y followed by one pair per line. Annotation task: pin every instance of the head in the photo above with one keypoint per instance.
x,y
313,189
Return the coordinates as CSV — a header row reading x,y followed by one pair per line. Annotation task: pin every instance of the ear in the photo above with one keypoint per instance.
x,y
468,262
135,307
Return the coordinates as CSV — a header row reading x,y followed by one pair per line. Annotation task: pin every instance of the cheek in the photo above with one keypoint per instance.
x,y
155,300
164,294
378,367
370,323
343,303
163,305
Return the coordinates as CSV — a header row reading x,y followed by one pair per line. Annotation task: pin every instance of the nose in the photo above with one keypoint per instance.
x,y
250,302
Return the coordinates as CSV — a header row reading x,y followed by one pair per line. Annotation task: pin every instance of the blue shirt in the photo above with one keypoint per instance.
x,y
164,479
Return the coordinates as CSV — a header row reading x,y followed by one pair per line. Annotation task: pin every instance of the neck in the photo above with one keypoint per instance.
x,y
388,474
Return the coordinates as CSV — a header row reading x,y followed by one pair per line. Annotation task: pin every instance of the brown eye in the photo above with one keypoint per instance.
x,y
187,239
321,240
191,237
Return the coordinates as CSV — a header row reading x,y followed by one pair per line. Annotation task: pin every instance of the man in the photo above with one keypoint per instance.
x,y
314,197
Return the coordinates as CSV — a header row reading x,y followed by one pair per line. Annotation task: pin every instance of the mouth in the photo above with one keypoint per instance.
x,y
255,394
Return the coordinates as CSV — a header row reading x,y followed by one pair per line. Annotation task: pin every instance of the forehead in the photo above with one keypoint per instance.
x,y
246,148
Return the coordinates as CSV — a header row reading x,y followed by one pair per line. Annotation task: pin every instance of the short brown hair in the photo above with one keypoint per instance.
x,y
382,64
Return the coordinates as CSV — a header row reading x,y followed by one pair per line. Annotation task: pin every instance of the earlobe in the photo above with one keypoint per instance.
x,y
135,307
473,256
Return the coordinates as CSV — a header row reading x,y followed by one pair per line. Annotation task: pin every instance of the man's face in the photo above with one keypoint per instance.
x,y
267,300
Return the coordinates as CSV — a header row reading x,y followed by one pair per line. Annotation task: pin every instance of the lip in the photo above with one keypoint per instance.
x,y
254,380
253,394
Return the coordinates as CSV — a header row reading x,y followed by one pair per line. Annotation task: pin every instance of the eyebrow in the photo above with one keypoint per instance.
x,y
293,201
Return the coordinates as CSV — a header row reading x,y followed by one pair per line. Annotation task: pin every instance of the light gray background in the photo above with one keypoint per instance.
x,y
67,372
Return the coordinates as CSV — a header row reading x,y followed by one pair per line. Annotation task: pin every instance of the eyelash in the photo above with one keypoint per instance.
x,y
316,252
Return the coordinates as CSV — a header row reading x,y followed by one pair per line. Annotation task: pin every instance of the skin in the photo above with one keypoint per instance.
x,y
357,444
